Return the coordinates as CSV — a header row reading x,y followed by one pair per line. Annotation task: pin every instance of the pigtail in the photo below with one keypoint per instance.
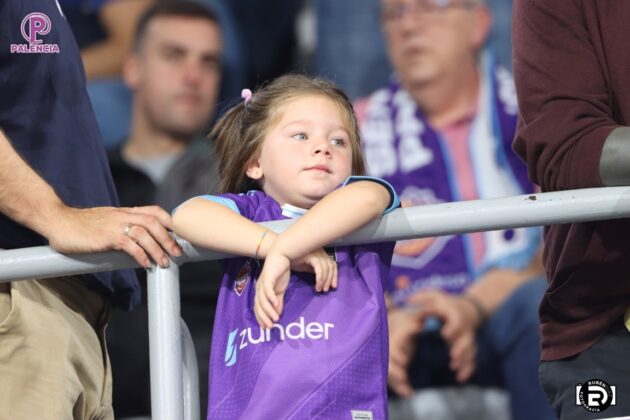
x,y
227,135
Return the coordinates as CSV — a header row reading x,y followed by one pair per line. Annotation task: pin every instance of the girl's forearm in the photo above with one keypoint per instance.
x,y
211,225
339,213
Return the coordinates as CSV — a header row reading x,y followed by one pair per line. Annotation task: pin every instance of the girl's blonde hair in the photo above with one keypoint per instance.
x,y
239,134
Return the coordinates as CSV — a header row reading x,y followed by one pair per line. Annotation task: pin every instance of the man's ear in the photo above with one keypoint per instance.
x,y
131,72
482,27
253,169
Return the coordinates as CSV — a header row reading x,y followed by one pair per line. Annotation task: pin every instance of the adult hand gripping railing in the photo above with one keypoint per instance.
x,y
171,400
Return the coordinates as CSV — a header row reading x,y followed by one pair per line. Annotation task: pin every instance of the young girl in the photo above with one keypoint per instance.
x,y
300,331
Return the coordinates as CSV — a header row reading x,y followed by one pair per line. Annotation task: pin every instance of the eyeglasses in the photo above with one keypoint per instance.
x,y
393,12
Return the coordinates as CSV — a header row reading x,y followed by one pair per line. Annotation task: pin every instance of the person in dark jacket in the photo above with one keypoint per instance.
x,y
571,67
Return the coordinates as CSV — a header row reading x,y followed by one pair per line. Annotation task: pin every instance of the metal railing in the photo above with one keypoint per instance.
x,y
174,392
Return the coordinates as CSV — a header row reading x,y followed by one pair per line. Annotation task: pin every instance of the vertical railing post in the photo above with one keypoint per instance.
x,y
165,343
191,375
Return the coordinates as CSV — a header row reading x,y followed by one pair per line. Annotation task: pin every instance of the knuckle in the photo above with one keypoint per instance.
x,y
126,242
147,220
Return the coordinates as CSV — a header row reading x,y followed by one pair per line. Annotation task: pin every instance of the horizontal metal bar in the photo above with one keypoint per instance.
x,y
413,222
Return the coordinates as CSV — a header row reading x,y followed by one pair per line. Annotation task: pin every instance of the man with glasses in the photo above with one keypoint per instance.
x,y
463,308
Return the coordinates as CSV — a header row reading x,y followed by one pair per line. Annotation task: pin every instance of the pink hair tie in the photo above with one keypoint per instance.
x,y
246,94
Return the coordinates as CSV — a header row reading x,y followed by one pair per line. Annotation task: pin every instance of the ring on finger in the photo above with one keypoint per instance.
x,y
128,227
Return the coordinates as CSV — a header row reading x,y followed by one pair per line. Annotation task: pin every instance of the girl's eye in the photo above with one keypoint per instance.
x,y
300,136
338,142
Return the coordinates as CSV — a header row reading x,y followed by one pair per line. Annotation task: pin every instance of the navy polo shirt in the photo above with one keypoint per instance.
x,y
46,113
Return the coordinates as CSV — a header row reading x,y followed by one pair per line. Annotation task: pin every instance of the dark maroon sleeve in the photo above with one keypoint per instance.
x,y
563,92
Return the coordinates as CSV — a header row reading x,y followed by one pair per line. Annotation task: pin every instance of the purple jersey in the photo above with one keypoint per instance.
x,y
327,355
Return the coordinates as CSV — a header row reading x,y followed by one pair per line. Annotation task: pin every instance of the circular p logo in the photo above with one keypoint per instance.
x,y
33,25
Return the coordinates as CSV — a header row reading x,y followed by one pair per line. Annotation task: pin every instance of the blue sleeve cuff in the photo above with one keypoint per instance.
x,y
230,204
395,200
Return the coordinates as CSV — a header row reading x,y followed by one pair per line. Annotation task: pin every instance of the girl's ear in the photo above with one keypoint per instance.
x,y
253,169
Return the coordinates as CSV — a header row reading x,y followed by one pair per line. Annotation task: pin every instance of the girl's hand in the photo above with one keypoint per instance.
x,y
274,280
270,289
324,267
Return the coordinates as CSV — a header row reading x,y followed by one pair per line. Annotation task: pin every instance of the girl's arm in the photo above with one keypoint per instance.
x,y
339,213
214,226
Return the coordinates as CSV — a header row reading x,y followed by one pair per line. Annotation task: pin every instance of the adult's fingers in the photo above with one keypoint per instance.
x,y
462,354
428,303
397,353
156,211
155,227
453,325
398,380
459,350
465,372
137,253
145,241
424,297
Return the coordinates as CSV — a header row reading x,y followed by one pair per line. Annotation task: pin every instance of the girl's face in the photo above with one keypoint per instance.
x,y
306,154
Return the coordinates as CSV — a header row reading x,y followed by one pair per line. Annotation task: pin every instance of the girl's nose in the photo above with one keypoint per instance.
x,y
322,146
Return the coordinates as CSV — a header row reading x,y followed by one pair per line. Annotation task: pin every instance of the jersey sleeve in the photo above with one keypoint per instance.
x,y
244,204
394,202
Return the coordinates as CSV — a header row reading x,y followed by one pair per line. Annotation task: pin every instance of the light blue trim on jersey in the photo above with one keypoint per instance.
x,y
395,200
226,202
292,212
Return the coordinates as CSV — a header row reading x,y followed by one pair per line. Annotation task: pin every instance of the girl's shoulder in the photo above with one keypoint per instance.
x,y
254,205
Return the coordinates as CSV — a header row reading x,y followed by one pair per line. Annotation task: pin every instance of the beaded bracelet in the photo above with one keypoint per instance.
x,y
262,237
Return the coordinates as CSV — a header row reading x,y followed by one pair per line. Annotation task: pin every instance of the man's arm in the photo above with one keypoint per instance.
x,y
119,18
495,286
26,198
564,99
614,165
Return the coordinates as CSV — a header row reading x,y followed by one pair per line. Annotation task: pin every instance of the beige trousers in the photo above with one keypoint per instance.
x,y
53,359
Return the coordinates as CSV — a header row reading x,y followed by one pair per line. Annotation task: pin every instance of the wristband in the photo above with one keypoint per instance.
x,y
262,237
481,312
